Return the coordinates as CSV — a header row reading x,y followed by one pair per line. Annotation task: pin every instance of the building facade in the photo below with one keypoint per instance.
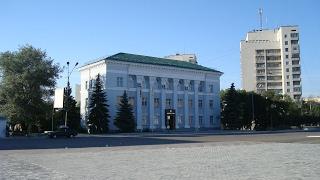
x,y
159,89
270,61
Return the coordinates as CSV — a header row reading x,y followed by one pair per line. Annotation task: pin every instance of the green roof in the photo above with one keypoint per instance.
x,y
134,58
126,57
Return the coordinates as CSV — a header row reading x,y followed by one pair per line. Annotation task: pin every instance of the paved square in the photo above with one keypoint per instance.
x,y
202,160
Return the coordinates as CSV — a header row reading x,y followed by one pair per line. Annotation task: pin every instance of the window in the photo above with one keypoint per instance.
x,y
119,81
296,76
190,103
156,102
190,120
295,83
286,43
287,69
286,49
131,101
288,76
294,35
144,119
144,101
287,56
156,119
288,83
86,85
297,89
285,36
200,103
200,120
288,90
287,62
211,88
211,103
179,119
180,102
168,103
211,120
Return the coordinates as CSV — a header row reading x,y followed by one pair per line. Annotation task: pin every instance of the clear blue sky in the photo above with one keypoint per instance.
x,y
85,30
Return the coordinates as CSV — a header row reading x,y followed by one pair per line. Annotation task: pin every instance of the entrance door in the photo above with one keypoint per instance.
x,y
170,115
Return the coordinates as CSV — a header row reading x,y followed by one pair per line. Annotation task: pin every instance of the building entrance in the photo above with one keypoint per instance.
x,y
170,115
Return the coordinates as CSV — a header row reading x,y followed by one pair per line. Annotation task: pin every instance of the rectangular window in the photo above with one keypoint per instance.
x,y
287,69
179,119
144,119
294,35
144,101
286,43
180,102
168,103
295,83
285,36
286,49
200,103
211,120
211,88
288,90
156,102
190,103
86,85
287,62
296,76
288,76
190,120
211,103
288,83
119,81
287,56
201,120
156,120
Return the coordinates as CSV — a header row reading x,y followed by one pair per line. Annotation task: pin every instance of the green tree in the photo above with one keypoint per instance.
x,y
98,118
28,78
125,119
230,114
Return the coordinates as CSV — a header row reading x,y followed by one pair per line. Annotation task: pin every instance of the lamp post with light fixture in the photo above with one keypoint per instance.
x,y
67,93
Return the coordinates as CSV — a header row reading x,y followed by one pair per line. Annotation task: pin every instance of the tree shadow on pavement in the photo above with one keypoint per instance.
x,y
82,142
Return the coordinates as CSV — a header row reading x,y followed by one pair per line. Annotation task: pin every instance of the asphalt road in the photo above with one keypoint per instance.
x,y
84,141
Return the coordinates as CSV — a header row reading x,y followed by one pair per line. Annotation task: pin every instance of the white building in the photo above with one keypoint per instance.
x,y
270,61
165,93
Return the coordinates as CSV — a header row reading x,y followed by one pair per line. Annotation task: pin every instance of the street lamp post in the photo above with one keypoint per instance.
x,y
68,87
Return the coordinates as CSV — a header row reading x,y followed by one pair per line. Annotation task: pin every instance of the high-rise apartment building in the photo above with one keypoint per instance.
x,y
270,61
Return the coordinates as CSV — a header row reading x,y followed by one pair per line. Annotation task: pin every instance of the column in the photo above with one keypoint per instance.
x,y
175,98
186,108
196,104
151,101
163,102
138,106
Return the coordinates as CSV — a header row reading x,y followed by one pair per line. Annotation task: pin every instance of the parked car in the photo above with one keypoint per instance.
x,y
63,132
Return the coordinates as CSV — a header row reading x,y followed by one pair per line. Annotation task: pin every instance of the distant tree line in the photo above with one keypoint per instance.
x,y
267,111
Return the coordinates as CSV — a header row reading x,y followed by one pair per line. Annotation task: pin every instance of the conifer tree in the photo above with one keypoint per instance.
x,y
125,119
230,114
98,118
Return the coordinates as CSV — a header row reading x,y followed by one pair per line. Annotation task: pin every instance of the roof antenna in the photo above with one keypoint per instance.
x,y
260,14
